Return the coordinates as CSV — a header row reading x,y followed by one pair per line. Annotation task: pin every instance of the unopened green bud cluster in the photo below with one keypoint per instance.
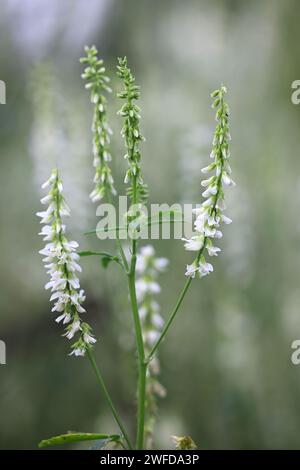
x,y
131,132
97,82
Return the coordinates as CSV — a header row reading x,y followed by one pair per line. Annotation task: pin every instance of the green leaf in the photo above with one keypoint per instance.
x,y
93,253
77,437
106,257
106,260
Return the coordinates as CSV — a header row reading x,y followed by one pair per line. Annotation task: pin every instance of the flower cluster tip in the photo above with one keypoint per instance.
x,y
210,215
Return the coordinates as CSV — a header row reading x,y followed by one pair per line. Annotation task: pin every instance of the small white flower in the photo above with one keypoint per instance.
x,y
211,190
207,182
71,244
193,244
161,264
144,287
213,250
205,268
199,223
227,180
143,312
66,317
191,270
147,250
49,181
218,170
158,321
74,282
213,220
154,287
73,329
208,168
155,307
140,264
47,232
46,216
46,199
78,352
226,219
209,231
207,203
96,195
151,337
218,234
89,339
202,215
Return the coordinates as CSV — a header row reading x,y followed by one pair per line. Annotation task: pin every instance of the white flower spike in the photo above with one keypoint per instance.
x,y
61,262
209,215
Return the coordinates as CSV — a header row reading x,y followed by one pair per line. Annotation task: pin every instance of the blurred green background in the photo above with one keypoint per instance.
x,y
226,364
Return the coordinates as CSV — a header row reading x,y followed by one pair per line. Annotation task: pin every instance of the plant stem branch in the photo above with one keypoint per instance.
x,y
108,398
175,309
119,244
171,318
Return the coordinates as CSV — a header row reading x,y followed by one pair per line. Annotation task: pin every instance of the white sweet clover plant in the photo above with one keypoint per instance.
x,y
142,267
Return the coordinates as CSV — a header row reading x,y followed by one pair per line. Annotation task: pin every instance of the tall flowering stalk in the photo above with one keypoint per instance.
x,y
61,262
137,192
148,267
210,214
97,82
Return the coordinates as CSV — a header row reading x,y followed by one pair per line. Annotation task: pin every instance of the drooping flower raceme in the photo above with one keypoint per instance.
x,y
97,81
148,268
210,215
131,133
61,262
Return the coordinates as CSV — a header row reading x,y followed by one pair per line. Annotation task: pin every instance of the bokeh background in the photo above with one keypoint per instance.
x,y
226,364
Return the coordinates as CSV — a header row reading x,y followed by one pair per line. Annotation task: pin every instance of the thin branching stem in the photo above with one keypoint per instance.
x,y
174,311
171,319
118,242
108,397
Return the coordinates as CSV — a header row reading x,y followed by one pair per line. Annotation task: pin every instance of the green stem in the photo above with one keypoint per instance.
x,y
120,248
142,366
175,309
171,318
107,396
119,244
